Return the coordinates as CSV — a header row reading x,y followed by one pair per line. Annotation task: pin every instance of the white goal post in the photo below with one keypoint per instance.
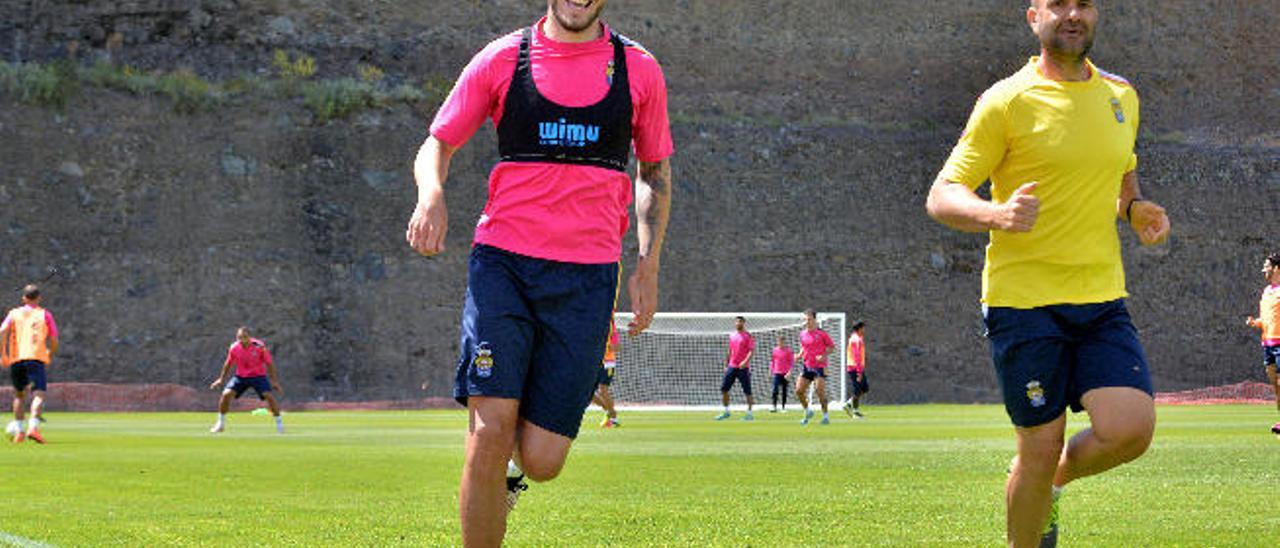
x,y
679,361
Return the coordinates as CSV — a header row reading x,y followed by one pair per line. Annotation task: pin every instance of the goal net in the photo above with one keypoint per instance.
x,y
679,361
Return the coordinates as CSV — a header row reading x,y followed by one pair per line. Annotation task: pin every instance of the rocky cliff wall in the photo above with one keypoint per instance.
x,y
807,136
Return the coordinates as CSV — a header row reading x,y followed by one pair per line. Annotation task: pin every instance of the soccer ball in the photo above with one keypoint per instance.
x,y
12,429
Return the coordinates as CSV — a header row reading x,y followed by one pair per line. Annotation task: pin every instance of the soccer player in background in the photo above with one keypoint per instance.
x,y
254,369
28,341
856,369
605,378
569,98
815,345
1268,321
1056,140
738,362
780,363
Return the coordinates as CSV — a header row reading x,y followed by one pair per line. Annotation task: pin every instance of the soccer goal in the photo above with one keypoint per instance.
x,y
679,361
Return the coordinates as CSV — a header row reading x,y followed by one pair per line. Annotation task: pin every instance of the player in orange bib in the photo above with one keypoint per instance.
x,y
605,378
28,341
1268,321
856,369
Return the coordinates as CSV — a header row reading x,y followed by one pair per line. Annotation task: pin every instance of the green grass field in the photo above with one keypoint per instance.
x,y
928,475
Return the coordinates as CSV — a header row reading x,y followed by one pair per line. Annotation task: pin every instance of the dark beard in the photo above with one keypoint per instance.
x,y
1059,50
564,23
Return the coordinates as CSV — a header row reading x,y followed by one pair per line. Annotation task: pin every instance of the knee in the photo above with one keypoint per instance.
x,y
493,439
540,468
1130,441
1040,458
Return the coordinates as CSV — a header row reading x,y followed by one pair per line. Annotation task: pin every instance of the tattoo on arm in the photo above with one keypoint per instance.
x,y
657,177
653,203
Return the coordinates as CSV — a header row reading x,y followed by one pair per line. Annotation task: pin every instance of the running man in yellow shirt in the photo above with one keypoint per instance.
x,y
1056,141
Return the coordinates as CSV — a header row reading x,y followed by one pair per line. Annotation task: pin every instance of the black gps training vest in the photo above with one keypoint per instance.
x,y
535,129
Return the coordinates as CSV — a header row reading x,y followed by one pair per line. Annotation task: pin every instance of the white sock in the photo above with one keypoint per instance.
x,y
1057,491
726,410
222,417
279,421
33,424
824,415
513,471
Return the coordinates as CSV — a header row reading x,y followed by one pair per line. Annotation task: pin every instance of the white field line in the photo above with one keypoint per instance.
x,y
21,542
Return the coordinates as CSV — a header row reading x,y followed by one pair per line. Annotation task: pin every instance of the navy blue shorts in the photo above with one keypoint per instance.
x,y
780,380
813,373
605,376
741,375
1270,355
28,373
1047,358
259,384
859,387
535,330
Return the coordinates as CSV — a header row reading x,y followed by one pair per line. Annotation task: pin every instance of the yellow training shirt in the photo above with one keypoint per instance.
x,y
1075,139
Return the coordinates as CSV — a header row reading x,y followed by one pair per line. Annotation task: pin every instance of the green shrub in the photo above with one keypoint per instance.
x,y
188,91
333,99
121,77
370,74
294,69
41,85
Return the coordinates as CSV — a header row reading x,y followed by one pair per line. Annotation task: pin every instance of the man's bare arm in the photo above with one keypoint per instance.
x,y
653,209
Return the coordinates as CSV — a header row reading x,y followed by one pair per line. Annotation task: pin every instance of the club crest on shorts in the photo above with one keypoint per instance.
x,y
1035,394
483,360
1117,110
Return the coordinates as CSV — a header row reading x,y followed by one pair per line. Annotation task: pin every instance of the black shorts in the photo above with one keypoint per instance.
x,y
259,384
813,373
535,330
859,387
741,375
1047,358
28,373
1270,356
605,376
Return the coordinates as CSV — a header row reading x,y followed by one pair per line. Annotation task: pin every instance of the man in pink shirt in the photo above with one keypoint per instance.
x,y
570,99
737,368
253,369
28,341
815,344
780,366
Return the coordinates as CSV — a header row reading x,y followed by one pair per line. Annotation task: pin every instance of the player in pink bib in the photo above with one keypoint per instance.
x,y
815,345
570,100
253,369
